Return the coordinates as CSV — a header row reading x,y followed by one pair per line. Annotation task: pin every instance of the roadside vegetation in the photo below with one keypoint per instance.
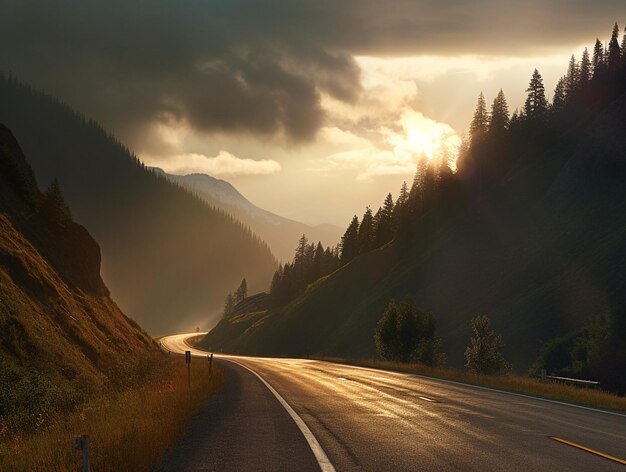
x,y
403,329
129,429
404,333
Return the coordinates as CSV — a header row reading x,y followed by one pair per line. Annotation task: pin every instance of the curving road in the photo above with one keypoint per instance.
x,y
367,419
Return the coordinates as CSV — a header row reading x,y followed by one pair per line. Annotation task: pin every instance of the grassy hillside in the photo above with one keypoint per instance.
x,y
534,236
62,338
168,257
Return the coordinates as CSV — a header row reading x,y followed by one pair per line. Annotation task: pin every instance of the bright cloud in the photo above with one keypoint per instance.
x,y
417,137
420,135
383,134
224,164
429,68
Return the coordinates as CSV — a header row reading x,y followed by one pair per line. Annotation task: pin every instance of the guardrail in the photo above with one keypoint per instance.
x,y
568,380
579,382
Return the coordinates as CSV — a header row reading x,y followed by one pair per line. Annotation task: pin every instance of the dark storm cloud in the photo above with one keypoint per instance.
x,y
256,66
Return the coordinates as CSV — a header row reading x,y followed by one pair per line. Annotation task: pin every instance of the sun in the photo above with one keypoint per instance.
x,y
420,137
421,141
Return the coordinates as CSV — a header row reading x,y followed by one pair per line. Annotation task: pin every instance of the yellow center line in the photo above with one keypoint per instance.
x,y
592,451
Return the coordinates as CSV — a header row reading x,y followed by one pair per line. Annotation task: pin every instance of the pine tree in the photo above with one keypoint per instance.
x,y
319,263
624,54
536,104
480,122
308,270
375,224
614,55
560,98
572,79
53,208
349,241
242,291
499,114
275,286
366,232
585,71
229,305
598,59
301,250
401,207
384,222
403,197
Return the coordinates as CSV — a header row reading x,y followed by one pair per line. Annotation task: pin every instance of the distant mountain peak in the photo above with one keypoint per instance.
x,y
280,233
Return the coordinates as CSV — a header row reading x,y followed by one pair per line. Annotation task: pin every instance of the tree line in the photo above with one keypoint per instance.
x,y
310,262
595,80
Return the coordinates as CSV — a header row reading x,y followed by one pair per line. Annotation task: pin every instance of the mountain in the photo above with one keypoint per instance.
x,y
278,232
61,336
531,230
168,257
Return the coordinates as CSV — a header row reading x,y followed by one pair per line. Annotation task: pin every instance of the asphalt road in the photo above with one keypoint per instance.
x,y
367,419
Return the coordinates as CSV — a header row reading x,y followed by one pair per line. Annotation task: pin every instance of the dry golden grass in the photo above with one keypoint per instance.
x,y
129,431
510,383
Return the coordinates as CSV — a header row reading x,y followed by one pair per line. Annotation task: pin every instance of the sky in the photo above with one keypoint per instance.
x,y
312,109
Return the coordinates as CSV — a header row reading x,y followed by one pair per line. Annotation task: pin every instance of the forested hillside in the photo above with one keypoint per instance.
x,y
278,232
528,226
167,256
62,338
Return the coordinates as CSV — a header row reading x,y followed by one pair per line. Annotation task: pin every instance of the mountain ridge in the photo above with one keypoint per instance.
x,y
278,231
168,258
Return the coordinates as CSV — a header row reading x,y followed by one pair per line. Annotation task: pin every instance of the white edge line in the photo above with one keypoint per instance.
x,y
316,448
437,379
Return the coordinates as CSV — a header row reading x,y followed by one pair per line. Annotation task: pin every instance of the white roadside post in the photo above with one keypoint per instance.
x,y
81,443
188,361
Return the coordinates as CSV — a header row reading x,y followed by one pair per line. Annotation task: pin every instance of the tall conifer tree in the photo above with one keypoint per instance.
x,y
598,59
384,223
350,241
53,206
480,122
572,78
614,54
366,232
560,97
499,114
536,104
585,71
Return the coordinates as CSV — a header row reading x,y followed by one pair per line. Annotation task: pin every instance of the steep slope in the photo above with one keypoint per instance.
x,y
168,258
278,232
541,254
62,338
